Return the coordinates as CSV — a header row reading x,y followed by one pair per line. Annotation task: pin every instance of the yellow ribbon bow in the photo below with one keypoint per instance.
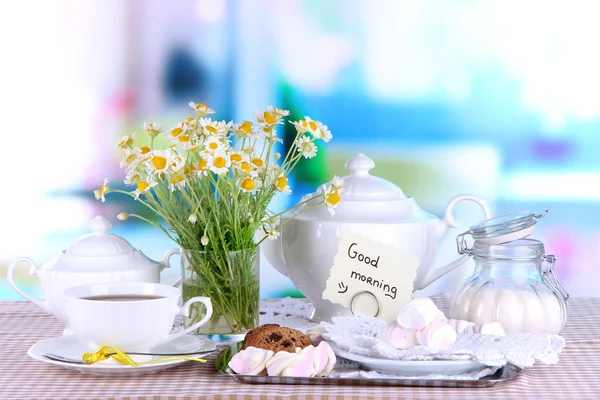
x,y
107,352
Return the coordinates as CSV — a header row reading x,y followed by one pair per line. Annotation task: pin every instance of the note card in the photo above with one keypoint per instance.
x,y
370,277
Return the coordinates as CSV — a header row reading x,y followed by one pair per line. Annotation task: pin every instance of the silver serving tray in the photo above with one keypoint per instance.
x,y
504,374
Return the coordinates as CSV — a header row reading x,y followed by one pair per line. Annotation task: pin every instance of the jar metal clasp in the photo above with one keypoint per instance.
x,y
550,278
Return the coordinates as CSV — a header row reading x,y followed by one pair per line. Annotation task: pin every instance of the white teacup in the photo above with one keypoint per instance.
x,y
130,316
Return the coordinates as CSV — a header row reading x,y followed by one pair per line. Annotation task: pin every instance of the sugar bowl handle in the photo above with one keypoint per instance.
x,y
32,271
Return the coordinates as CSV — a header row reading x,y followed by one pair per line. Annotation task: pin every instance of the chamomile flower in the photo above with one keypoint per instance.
x,y
158,162
247,169
248,184
100,193
274,235
219,162
144,150
177,163
122,216
306,146
131,158
143,186
244,130
153,129
258,163
204,240
212,144
202,168
126,142
176,181
132,177
278,111
281,184
238,157
201,109
333,194
193,218
322,132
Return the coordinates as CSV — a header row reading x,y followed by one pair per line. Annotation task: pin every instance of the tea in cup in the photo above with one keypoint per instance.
x,y
130,316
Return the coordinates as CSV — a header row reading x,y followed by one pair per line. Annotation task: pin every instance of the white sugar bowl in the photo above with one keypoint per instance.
x,y
96,257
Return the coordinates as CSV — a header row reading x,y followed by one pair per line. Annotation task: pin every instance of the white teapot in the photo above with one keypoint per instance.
x,y
372,207
96,257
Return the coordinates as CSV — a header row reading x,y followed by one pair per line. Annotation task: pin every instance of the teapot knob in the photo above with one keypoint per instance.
x,y
360,164
99,225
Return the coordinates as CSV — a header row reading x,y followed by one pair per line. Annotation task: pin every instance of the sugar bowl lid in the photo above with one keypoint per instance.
x,y
364,198
99,243
499,230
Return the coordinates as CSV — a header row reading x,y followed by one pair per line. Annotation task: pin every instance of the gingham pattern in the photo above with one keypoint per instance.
x,y
576,376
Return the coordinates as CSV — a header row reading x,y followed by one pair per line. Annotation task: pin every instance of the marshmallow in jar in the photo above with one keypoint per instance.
x,y
513,282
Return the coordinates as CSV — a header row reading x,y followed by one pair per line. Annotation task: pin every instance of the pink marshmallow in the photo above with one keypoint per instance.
x,y
417,313
250,361
290,364
437,336
323,358
399,337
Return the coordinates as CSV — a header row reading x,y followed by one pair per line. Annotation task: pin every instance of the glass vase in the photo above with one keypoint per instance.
x,y
231,280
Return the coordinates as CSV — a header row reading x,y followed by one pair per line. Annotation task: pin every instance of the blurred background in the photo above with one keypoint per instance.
x,y
497,98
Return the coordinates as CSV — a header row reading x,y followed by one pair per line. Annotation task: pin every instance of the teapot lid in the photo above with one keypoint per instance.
x,y
365,198
99,243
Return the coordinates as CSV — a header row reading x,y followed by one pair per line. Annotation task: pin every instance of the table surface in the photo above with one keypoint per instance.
x,y
22,324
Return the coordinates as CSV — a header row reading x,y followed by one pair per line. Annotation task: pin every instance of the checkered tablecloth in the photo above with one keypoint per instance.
x,y
576,376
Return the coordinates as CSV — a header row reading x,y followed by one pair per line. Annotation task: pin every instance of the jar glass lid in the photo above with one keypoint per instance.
x,y
498,230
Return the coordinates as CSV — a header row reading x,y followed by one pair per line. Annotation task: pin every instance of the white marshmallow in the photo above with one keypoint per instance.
x,y
439,335
417,313
461,326
399,337
290,364
492,328
489,328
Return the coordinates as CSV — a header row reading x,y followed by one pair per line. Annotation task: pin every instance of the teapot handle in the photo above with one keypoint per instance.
x,y
165,263
444,224
32,271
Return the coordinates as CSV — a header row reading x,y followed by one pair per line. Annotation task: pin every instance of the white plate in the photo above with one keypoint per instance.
x,y
69,346
411,368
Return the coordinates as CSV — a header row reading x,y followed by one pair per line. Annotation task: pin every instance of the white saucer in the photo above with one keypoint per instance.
x,y
69,346
411,368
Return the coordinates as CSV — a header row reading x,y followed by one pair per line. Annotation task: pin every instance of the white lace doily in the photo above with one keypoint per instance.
x,y
360,335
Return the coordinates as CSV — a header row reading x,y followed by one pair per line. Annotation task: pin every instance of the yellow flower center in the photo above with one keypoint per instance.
x,y
189,119
313,125
213,145
144,150
212,129
183,138
202,165
281,183
269,118
304,123
176,132
130,158
219,162
142,185
246,167
258,162
248,184
246,127
159,162
134,178
186,170
332,198
200,107
236,157
176,178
